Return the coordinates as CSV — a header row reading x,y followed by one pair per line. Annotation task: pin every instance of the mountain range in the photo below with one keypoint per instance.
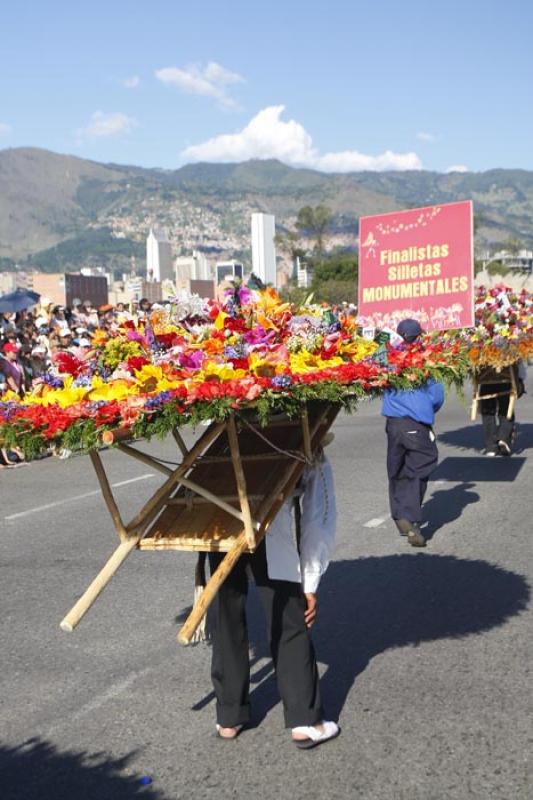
x,y
60,212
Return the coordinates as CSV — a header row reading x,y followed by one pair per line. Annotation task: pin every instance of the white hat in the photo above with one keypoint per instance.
x,y
84,342
64,330
45,301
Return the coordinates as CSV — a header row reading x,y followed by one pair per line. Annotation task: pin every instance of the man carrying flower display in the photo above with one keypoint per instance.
x,y
286,581
498,428
411,449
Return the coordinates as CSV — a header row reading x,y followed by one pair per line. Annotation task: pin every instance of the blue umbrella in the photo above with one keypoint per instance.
x,y
18,300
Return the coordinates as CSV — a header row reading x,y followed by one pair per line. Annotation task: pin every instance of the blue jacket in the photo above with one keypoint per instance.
x,y
418,404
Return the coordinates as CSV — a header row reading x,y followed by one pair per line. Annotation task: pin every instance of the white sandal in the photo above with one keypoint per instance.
x,y
314,737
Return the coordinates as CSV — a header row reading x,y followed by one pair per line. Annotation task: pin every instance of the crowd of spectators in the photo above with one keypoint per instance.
x,y
29,339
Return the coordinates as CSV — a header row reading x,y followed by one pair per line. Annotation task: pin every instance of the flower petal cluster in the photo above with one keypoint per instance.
x,y
251,351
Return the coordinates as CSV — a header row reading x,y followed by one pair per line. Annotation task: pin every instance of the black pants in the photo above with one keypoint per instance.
x,y
290,644
412,456
496,426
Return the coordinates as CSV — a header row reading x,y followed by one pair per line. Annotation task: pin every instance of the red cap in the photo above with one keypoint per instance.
x,y
10,347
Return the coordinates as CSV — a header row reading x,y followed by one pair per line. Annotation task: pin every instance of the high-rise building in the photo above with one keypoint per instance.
x,y
158,256
263,247
192,268
228,270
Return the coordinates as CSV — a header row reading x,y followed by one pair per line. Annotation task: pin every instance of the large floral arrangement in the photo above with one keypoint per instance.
x,y
180,366
504,328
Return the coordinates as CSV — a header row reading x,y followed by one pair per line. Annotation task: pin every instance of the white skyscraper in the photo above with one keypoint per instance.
x,y
193,268
159,256
263,247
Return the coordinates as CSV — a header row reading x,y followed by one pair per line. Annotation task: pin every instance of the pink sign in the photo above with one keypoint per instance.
x,y
419,264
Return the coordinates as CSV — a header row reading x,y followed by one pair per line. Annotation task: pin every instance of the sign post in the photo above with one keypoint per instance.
x,y
418,263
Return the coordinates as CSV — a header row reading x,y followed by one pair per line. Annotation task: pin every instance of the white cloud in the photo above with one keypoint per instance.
x,y
5,129
424,136
212,80
458,168
132,82
268,136
108,124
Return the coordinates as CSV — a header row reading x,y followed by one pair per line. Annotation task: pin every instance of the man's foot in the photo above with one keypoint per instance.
x,y
307,736
491,453
403,525
414,537
505,448
229,733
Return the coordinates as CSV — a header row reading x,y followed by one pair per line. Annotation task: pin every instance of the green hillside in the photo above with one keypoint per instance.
x,y
59,212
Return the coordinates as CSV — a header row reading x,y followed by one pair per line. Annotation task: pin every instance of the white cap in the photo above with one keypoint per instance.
x,y
84,342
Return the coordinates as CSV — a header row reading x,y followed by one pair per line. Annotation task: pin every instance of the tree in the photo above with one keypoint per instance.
x,y
335,277
314,223
513,245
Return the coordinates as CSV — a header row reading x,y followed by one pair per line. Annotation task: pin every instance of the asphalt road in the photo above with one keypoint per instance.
x,y
425,655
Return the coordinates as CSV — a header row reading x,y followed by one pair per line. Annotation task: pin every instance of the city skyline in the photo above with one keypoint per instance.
x,y
386,86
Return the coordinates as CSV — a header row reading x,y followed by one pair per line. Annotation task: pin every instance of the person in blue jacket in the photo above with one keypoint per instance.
x,y
411,449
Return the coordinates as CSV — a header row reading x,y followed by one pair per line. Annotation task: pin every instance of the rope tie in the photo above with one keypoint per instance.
x,y
290,453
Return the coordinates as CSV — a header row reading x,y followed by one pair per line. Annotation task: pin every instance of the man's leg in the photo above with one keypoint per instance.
x,y
230,666
395,462
506,426
488,418
290,643
420,460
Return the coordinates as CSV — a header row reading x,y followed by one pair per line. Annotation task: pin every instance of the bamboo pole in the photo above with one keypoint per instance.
x,y
99,583
144,457
108,495
250,457
213,498
179,441
514,394
308,450
475,399
241,483
229,498
266,513
150,509
135,530
213,585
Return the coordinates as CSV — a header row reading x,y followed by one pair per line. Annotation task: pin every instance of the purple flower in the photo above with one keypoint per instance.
x,y
192,360
158,400
281,381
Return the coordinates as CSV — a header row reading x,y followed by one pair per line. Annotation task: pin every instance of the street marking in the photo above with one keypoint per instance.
x,y
45,507
376,522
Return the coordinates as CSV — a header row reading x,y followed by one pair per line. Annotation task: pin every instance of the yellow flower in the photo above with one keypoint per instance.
x,y
116,390
304,362
224,372
69,395
219,322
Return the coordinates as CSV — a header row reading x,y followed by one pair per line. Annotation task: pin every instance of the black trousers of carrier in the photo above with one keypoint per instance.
x,y
496,426
290,644
412,456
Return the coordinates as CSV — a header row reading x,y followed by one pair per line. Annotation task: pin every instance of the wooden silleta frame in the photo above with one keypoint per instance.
x,y
221,498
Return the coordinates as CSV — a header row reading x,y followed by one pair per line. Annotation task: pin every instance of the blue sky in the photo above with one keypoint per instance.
x,y
335,85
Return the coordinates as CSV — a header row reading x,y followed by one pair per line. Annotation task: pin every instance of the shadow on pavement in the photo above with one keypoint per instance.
x,y
471,438
478,468
37,770
446,505
371,605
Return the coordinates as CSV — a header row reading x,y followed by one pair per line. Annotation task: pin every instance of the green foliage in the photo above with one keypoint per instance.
x,y
335,278
314,222
294,294
95,246
497,268
336,292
